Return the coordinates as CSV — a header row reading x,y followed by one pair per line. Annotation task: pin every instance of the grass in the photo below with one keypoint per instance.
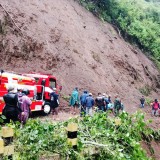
x,y
146,90
66,97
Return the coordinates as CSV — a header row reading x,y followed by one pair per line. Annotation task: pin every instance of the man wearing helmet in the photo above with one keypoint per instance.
x,y
11,110
25,106
54,103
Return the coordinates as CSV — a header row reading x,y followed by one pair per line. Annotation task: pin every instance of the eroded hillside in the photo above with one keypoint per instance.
x,y
62,38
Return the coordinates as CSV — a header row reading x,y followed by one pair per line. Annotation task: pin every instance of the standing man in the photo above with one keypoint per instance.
x,y
142,101
25,106
89,104
109,98
54,104
155,108
100,102
83,102
106,102
117,105
74,101
11,109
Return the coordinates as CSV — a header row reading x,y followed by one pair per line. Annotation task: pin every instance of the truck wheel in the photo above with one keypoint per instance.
x,y
46,108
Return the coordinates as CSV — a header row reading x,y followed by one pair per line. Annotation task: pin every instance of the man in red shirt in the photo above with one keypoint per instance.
x,y
155,107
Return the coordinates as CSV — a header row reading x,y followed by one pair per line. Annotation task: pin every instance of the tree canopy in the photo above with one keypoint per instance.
x,y
138,21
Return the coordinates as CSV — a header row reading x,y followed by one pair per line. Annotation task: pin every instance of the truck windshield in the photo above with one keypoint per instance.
x,y
52,83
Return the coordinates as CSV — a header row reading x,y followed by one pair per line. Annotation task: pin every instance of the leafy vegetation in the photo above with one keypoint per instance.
x,y
66,97
149,101
138,21
98,138
146,90
2,118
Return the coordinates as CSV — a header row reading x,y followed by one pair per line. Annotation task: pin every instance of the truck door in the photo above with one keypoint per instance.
x,y
37,102
39,92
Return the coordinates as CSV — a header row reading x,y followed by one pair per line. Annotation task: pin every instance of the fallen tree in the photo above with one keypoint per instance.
x,y
98,138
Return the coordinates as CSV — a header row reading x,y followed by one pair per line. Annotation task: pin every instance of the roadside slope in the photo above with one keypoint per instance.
x,y
62,38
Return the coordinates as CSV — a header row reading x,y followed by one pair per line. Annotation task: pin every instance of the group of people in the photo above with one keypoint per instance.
x,y
155,106
87,103
17,105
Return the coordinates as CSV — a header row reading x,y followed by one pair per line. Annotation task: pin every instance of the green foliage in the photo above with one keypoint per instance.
x,y
146,90
138,20
148,101
98,138
2,118
65,97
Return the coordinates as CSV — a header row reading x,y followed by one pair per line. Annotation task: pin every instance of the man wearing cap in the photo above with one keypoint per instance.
x,y
89,104
100,102
54,103
11,109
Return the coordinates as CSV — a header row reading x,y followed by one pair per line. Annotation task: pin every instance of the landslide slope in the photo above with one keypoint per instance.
x,y
62,38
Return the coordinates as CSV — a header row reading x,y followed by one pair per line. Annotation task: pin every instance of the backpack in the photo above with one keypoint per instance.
x,y
99,101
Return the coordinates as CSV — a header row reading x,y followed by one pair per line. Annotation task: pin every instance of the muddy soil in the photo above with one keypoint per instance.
x,y
63,38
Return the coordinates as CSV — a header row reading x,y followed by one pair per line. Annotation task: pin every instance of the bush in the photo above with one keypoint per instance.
x,y
149,101
146,90
98,138
66,98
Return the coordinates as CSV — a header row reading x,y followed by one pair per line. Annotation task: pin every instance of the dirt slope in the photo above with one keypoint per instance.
x,y
62,38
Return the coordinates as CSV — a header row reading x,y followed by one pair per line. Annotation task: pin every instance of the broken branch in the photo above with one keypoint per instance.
x,y
11,18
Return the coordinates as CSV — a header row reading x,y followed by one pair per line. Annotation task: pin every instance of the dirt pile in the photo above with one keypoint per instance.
x,y
62,38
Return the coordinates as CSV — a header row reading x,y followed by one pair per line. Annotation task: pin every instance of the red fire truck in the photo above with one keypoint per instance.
x,y
39,86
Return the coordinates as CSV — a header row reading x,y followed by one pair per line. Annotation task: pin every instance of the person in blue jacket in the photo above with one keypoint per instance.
x,y
83,102
74,101
89,104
